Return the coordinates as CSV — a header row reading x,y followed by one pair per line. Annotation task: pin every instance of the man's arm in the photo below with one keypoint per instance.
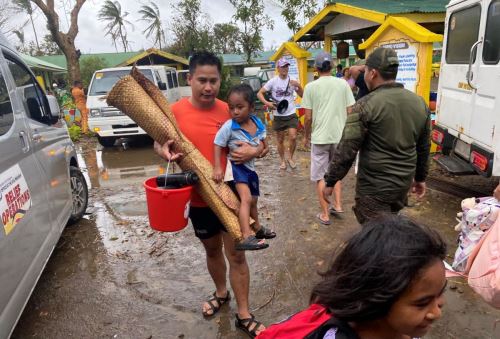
x,y
246,152
260,96
352,139
298,89
307,126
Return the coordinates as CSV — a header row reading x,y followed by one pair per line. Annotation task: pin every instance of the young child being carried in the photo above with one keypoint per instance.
x,y
244,126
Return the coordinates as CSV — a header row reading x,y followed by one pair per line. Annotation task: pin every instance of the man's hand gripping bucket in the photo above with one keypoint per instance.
x,y
168,206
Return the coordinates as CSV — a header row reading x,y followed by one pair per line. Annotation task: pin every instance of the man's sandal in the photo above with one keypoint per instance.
x,y
265,233
216,303
249,325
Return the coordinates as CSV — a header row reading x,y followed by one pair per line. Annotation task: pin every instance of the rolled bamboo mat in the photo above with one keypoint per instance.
x,y
142,101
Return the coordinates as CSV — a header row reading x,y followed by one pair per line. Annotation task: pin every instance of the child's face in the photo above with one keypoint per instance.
x,y
420,305
239,108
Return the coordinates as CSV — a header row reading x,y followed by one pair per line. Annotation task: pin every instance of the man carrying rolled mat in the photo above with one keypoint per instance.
x,y
199,117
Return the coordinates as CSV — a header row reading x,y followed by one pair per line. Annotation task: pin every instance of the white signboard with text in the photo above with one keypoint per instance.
x,y
408,64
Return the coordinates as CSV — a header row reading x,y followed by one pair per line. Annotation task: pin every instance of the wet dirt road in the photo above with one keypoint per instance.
x,y
111,276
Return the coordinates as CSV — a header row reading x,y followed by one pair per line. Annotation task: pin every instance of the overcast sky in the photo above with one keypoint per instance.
x,y
91,37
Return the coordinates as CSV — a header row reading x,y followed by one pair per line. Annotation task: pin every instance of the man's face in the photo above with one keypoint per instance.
x,y
283,71
205,84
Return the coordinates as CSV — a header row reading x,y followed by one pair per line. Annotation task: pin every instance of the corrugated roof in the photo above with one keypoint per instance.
x,y
40,64
112,59
265,57
400,6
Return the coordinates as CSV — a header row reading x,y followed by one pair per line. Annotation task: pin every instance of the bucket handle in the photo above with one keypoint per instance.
x,y
166,175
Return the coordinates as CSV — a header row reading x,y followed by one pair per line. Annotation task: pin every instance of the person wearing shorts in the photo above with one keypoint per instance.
x,y
199,117
282,89
327,102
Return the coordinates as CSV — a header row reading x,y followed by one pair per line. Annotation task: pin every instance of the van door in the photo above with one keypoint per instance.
x,y
49,142
485,79
26,223
457,99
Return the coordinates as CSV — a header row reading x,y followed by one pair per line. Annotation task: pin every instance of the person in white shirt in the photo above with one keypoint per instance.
x,y
282,90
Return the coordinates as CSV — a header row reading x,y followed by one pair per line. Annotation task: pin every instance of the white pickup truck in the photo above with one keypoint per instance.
x,y
109,122
468,106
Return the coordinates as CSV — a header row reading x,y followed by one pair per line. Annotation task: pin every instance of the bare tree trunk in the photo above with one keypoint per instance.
x,y
65,41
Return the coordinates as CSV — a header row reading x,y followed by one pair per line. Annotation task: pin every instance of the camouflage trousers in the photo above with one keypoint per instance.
x,y
368,207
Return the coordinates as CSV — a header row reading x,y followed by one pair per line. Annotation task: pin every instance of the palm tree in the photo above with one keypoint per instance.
x,y
25,6
151,14
111,13
20,35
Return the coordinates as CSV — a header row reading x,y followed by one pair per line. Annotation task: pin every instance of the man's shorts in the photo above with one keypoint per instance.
x,y
321,155
205,223
242,174
282,123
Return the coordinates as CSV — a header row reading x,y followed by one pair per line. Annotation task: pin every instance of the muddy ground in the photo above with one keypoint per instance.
x,y
111,276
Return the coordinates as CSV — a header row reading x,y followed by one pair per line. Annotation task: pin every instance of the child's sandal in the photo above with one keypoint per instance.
x,y
251,243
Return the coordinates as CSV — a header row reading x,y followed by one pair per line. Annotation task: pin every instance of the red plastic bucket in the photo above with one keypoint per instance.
x,y
168,209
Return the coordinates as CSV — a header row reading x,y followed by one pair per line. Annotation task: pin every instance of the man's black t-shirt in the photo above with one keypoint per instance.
x,y
360,83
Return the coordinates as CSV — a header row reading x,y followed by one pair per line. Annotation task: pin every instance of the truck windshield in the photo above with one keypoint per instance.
x,y
104,81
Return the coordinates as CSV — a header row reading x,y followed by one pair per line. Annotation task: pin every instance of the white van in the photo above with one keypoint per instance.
x,y
41,186
109,122
468,108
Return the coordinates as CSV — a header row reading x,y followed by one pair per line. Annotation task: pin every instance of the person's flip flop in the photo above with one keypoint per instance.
x,y
323,222
216,303
251,243
292,164
283,166
265,233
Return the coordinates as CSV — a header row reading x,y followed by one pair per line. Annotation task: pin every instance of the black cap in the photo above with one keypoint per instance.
x,y
383,59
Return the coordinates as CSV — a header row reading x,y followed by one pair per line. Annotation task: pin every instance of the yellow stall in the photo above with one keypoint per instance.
x,y
414,45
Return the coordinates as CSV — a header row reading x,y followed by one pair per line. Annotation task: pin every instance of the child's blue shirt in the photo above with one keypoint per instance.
x,y
231,132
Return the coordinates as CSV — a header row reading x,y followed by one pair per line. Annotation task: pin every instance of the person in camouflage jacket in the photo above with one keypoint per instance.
x,y
390,127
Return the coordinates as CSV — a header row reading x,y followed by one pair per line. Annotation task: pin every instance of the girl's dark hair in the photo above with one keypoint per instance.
x,y
204,58
245,90
375,266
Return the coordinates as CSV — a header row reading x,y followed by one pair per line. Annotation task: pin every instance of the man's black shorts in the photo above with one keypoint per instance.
x,y
205,223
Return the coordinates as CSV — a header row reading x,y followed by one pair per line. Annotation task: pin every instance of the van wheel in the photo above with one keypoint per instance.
x,y
106,141
79,194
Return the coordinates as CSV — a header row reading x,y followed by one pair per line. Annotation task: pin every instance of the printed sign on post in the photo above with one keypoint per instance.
x,y
408,64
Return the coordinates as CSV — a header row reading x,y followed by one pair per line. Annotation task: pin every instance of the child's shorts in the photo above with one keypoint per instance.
x,y
242,174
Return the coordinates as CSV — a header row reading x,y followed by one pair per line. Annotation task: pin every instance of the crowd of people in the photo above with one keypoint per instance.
x,y
370,291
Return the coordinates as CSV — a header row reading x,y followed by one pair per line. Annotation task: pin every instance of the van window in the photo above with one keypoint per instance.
x,y
6,112
463,32
34,100
104,81
169,79
174,76
183,78
491,49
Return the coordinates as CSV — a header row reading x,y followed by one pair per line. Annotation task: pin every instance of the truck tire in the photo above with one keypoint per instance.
x,y
79,194
106,141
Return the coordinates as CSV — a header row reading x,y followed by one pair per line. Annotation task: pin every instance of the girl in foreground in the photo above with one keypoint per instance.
x,y
386,282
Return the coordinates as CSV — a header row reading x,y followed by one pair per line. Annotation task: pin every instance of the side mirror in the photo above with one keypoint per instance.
x,y
162,86
55,111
